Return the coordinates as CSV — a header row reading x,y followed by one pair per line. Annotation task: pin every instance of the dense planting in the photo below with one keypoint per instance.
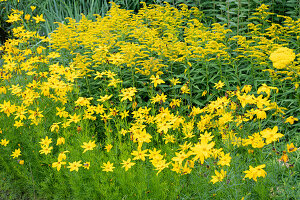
x,y
151,105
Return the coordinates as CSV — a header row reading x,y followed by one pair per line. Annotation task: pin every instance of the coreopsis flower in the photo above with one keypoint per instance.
x,y
39,19
174,81
55,127
74,118
247,88
271,135
282,57
267,89
156,80
16,153
284,158
104,98
46,141
32,8
124,114
128,93
21,162
60,140
224,159
127,164
185,89
18,123
108,167
61,112
219,176
88,146
255,172
4,142
180,157
202,150
291,120
108,147
45,150
169,138
62,156
74,166
291,148
219,85
58,165
139,154
27,17
86,165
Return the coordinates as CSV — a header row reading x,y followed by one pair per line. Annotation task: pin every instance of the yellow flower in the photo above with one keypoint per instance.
x,y
247,88
202,150
104,98
282,57
4,142
291,120
55,127
60,141
156,80
86,165
139,154
271,135
219,85
108,147
62,156
74,166
219,176
16,153
88,146
32,8
291,147
108,167
174,81
255,172
224,160
27,17
74,118
39,19
127,164
46,150
58,165
46,141
184,89
127,93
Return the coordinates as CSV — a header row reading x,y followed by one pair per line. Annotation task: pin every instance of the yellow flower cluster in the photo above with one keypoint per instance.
x,y
282,57
156,126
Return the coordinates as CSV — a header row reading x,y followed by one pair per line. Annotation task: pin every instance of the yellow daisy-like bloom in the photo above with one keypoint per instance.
x,y
4,142
46,141
108,147
74,166
108,167
219,85
291,120
86,165
88,146
16,153
127,164
291,148
255,172
58,165
219,176
282,57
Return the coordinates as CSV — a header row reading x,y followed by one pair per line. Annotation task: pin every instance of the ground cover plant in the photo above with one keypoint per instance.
x,y
148,105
